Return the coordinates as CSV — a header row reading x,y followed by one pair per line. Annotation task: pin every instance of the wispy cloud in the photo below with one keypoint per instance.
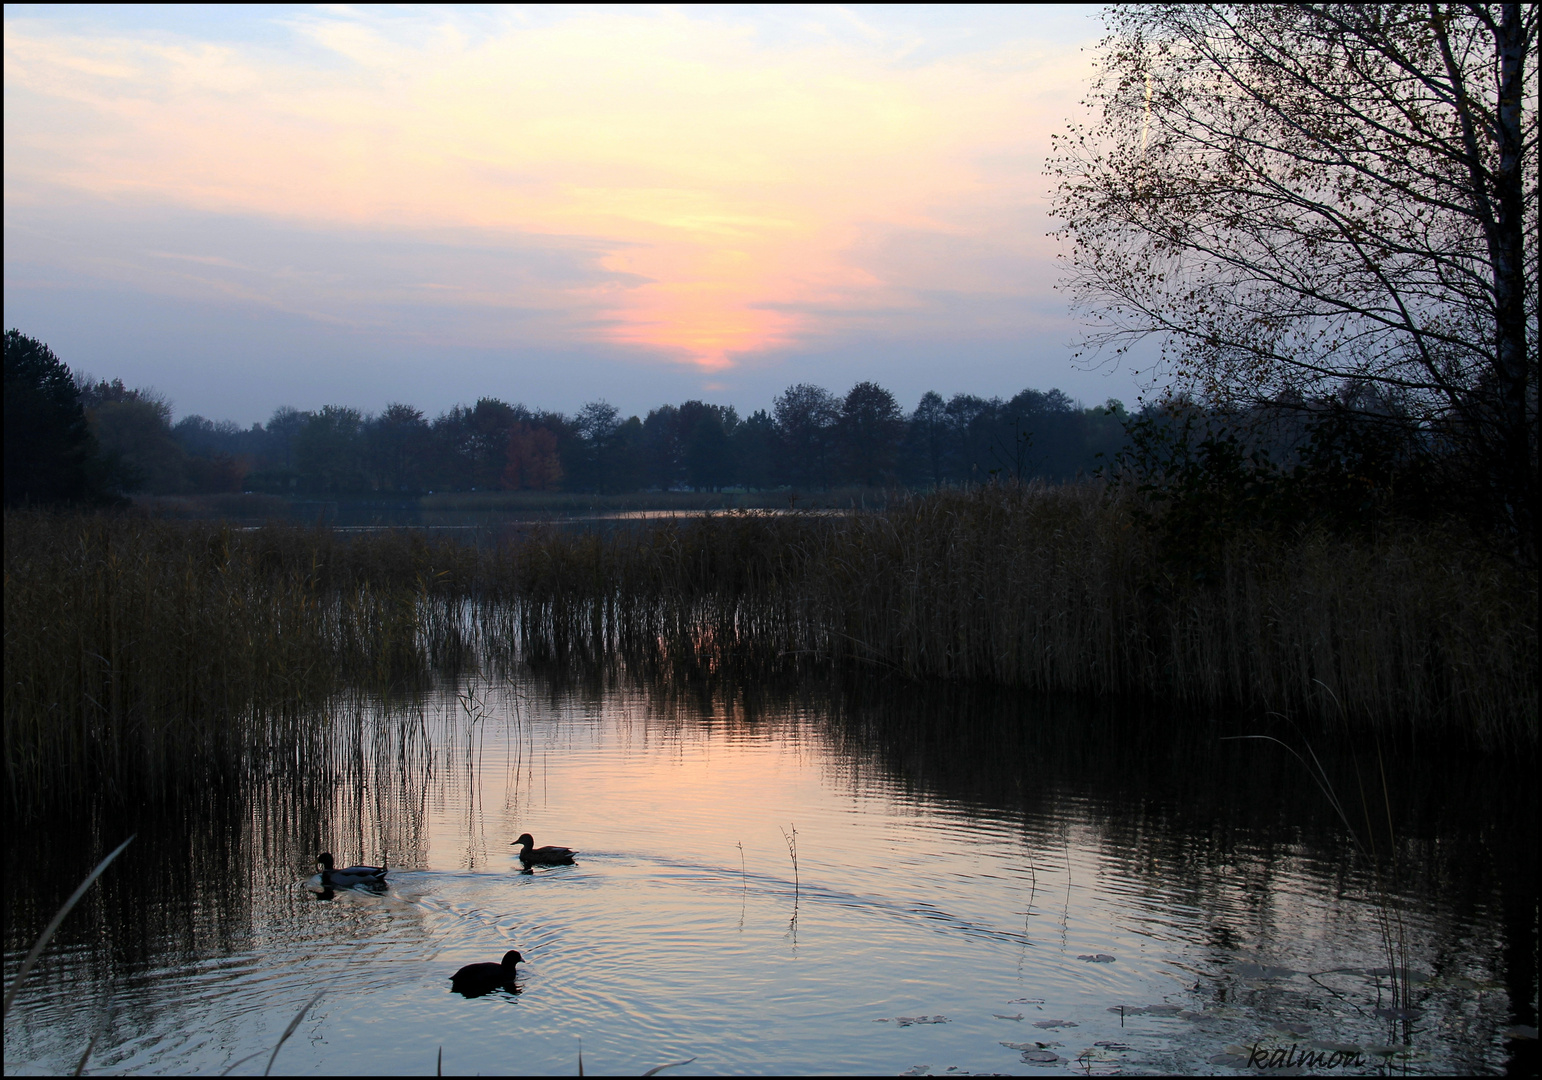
x,y
702,188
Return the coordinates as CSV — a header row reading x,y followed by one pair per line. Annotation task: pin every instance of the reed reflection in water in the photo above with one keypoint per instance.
x,y
960,852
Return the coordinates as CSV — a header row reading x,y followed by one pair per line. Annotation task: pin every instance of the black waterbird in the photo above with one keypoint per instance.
x,y
474,980
550,855
349,876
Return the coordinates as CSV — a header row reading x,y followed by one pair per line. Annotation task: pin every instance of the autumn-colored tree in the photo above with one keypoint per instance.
x,y
533,463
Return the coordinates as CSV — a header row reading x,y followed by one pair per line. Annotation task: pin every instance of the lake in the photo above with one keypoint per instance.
x,y
819,876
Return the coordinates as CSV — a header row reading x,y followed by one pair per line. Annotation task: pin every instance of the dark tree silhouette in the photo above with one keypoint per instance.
x,y
49,450
329,451
870,429
806,416
926,442
1301,197
709,462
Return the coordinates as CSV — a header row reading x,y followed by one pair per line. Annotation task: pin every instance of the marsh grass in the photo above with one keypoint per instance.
x,y
1059,589
142,655
1391,931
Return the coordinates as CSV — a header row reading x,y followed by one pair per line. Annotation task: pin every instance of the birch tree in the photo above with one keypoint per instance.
x,y
1302,199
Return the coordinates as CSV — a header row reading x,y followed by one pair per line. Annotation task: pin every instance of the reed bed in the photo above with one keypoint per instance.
x,y
1061,588
141,655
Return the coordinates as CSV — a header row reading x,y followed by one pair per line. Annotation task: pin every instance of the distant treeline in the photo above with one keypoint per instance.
x,y
810,439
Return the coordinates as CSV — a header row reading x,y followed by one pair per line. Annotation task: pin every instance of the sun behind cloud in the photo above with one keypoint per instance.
x,y
721,182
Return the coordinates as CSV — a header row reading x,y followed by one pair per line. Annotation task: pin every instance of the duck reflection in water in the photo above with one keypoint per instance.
x,y
474,980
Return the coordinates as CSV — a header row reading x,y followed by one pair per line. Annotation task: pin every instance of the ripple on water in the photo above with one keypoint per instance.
x,y
1050,933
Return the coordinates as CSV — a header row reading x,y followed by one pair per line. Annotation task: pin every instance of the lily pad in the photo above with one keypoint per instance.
x,y
1230,1061
1041,1057
1046,1024
1334,1047
1096,958
1294,1031
1003,1016
906,1021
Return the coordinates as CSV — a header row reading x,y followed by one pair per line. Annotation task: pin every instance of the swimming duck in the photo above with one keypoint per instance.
x,y
474,980
349,876
531,855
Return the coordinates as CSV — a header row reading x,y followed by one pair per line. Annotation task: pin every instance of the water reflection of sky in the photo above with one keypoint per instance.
x,y
966,863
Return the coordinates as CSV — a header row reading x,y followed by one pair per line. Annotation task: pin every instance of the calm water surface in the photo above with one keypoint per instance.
x,y
982,883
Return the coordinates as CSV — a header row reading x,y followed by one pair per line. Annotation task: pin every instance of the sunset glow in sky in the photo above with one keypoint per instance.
x,y
250,208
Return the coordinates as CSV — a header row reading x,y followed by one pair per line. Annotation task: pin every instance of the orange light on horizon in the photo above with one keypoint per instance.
x,y
715,186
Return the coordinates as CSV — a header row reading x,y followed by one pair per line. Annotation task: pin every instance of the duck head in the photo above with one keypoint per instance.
x,y
325,860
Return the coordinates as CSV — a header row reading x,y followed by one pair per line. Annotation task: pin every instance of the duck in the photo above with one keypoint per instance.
x,y
474,980
349,876
531,855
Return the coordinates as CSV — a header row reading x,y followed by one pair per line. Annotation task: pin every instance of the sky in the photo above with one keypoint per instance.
x,y
249,207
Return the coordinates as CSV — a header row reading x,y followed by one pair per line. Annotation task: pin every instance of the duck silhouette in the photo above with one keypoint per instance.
x,y
474,980
550,855
348,876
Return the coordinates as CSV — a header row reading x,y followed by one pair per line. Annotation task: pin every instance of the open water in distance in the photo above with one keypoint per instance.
x,y
983,883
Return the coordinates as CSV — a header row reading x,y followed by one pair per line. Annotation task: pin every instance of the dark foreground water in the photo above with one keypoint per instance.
x,y
982,883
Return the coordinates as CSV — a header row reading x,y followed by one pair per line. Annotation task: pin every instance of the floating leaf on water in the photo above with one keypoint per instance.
x,y
1128,1010
1026,1001
1023,1046
1334,1047
1096,958
1002,1016
1055,1023
1041,1057
906,1021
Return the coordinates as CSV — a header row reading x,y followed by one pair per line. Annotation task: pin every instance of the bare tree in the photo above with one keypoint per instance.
x,y
1300,198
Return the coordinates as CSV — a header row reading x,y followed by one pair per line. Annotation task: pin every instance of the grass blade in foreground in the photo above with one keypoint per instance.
x,y
48,931
288,1031
672,1065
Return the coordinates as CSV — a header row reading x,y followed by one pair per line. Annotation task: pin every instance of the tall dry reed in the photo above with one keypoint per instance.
x,y
1060,588
142,655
